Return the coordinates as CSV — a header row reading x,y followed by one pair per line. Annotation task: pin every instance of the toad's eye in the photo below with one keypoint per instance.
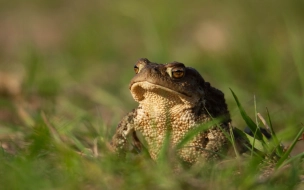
x,y
178,73
136,69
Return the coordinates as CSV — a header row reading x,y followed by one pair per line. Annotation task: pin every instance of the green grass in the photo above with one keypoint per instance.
x,y
67,66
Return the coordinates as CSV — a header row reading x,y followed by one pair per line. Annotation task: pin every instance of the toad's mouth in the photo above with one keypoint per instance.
x,y
146,90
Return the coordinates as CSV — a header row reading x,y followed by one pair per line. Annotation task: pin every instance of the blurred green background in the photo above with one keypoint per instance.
x,y
59,54
72,60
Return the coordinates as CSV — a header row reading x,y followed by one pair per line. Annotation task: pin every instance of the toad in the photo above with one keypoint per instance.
x,y
173,101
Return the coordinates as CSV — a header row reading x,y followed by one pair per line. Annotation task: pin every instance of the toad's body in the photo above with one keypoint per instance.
x,y
173,99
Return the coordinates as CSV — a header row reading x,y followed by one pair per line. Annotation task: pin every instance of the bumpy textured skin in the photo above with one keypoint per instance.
x,y
174,105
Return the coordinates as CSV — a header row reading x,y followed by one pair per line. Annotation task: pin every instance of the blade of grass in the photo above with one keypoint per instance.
x,y
257,128
163,154
56,136
195,131
286,154
301,155
253,127
258,145
24,115
274,136
233,143
227,135
84,151
162,157
263,121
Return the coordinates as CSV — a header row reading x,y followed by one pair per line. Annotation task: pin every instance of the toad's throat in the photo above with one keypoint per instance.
x,y
142,91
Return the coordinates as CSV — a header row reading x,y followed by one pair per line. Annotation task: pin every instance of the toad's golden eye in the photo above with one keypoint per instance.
x,y
178,73
136,69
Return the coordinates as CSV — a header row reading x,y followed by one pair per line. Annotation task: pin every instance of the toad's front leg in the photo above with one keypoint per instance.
x,y
125,139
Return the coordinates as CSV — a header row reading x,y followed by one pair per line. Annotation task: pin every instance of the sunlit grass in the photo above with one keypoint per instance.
x,y
52,154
